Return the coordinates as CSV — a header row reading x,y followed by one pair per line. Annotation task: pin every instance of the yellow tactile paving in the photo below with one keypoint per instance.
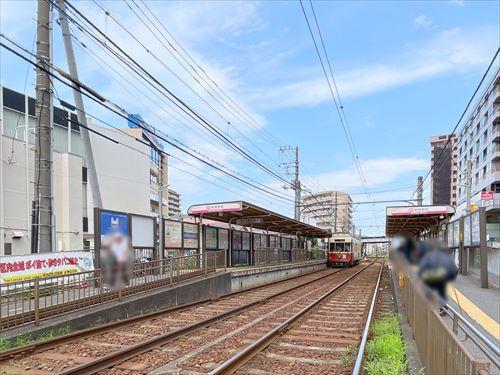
x,y
487,322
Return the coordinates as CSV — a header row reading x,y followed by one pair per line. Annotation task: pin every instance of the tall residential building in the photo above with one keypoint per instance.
x,y
331,209
444,169
479,143
126,177
174,204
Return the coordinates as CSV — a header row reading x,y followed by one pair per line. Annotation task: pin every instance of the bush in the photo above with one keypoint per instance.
x,y
385,352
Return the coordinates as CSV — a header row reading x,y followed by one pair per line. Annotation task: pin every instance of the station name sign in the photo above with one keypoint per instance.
x,y
250,221
215,207
418,210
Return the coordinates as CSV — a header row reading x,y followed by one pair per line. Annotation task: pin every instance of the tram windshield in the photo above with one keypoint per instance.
x,y
340,247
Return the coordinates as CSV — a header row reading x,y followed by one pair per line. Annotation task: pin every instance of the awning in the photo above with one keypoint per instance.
x,y
246,214
414,220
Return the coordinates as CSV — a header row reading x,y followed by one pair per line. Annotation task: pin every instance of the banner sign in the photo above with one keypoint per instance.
x,y
173,234
24,267
190,236
215,207
467,231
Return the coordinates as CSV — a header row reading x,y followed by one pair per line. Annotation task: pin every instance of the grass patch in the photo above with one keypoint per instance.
x,y
25,340
385,352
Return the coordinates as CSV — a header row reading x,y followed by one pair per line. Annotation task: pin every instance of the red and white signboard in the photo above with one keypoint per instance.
x,y
24,267
215,207
418,210
487,198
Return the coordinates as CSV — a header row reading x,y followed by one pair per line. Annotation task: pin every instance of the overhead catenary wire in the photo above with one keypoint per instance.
x,y
336,100
168,93
122,113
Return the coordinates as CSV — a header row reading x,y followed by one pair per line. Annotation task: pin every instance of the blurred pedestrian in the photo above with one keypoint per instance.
x,y
437,268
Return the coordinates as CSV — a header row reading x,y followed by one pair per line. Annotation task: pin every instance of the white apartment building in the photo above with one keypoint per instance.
x,y
332,210
128,179
479,143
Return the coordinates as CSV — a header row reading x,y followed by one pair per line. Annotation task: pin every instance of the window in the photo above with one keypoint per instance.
x,y
84,174
485,153
7,249
153,178
485,170
84,200
485,135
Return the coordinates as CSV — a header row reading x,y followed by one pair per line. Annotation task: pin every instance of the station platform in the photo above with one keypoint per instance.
x,y
481,305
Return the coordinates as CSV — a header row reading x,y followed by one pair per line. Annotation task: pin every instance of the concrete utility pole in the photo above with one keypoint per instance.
x,y
80,109
336,211
420,190
162,183
296,185
42,219
468,183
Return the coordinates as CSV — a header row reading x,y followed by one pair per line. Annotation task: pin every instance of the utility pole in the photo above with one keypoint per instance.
x,y
420,190
80,109
468,182
295,184
43,211
336,210
161,186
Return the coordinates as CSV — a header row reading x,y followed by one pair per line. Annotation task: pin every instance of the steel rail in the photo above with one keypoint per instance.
x,y
239,359
364,339
119,356
47,344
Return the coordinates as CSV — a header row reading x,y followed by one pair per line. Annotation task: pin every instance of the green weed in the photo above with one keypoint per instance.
x,y
385,352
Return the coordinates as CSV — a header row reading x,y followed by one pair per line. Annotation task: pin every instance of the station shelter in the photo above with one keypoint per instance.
x,y
241,228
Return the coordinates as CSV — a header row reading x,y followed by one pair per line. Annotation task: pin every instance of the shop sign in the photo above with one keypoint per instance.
x,y
24,267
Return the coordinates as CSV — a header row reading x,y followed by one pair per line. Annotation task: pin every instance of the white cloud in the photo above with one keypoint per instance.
x,y
422,22
378,171
448,52
457,2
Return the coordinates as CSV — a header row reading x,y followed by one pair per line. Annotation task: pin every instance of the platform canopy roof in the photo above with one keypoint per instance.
x,y
414,220
246,214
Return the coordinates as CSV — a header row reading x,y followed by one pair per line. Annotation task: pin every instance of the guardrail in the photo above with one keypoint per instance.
x,y
440,349
34,299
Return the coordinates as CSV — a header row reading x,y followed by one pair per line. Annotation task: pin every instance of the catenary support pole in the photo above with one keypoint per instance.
x,y
80,109
43,220
296,185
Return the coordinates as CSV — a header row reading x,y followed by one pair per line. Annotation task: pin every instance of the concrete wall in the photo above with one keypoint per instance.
x,y
259,276
17,191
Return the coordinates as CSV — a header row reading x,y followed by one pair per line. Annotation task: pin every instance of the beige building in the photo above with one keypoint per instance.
x,y
331,210
128,179
174,204
444,169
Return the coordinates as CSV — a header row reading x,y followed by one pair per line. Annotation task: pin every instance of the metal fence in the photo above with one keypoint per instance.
x,y
269,256
440,349
30,300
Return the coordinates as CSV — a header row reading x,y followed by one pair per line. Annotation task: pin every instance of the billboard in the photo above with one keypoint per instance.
x,y
24,267
190,236
113,222
173,234
211,238
143,231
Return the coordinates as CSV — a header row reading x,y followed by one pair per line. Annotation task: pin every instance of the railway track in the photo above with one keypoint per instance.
x,y
30,358
175,341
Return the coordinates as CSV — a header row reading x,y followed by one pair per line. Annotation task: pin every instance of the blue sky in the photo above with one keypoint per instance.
x,y
405,71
